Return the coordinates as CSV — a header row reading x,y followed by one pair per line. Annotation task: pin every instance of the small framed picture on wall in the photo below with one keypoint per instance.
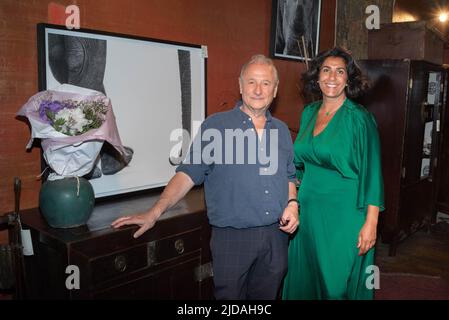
x,y
295,29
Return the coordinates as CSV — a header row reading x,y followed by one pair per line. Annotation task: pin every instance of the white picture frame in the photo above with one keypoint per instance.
x,y
156,87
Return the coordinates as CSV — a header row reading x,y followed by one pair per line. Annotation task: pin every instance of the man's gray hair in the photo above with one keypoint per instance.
x,y
260,59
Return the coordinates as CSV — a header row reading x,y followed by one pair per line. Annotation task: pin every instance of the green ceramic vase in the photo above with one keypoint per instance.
x,y
63,205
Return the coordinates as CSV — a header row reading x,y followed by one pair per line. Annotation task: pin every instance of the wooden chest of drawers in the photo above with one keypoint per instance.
x,y
170,261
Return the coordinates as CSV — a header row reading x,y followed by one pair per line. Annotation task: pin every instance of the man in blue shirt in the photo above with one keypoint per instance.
x,y
244,157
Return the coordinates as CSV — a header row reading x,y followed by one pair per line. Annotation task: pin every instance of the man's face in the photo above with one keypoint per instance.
x,y
258,86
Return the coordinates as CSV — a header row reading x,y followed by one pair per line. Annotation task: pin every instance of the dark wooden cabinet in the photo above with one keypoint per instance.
x,y
170,261
406,98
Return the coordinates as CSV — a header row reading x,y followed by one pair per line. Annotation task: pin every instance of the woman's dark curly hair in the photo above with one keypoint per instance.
x,y
357,83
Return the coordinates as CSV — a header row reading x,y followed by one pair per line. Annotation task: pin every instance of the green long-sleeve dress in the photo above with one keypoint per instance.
x,y
340,174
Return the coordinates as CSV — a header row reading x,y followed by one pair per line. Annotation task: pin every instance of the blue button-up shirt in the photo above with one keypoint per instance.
x,y
245,177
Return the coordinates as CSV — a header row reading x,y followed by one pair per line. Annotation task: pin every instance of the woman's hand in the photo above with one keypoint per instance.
x,y
368,233
145,221
367,237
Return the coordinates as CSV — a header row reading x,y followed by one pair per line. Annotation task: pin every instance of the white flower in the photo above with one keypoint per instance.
x,y
74,120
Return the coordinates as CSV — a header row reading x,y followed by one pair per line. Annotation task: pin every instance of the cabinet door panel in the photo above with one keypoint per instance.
x,y
174,283
422,113
413,144
443,159
118,264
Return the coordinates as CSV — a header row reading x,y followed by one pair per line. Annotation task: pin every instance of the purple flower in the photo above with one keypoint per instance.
x,y
50,108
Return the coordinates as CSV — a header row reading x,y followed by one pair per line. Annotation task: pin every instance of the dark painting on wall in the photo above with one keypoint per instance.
x,y
295,29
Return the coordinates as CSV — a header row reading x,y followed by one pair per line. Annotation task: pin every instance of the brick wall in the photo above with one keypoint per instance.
x,y
233,30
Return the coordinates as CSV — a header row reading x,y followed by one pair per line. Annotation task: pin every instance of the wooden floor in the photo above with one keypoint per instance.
x,y
422,253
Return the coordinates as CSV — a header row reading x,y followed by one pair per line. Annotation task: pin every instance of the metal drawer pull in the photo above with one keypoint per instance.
x,y
204,271
120,263
179,246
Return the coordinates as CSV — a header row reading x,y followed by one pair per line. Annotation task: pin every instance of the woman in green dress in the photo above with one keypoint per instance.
x,y
337,155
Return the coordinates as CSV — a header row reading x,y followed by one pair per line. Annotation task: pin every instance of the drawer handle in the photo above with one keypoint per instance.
x,y
120,263
179,246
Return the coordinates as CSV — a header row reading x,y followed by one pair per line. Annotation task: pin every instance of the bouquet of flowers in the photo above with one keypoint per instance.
x,y
73,117
73,123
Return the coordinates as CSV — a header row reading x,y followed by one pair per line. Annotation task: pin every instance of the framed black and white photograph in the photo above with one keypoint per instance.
x,y
157,89
295,29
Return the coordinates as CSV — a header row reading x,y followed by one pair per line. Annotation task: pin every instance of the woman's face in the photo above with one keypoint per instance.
x,y
333,78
